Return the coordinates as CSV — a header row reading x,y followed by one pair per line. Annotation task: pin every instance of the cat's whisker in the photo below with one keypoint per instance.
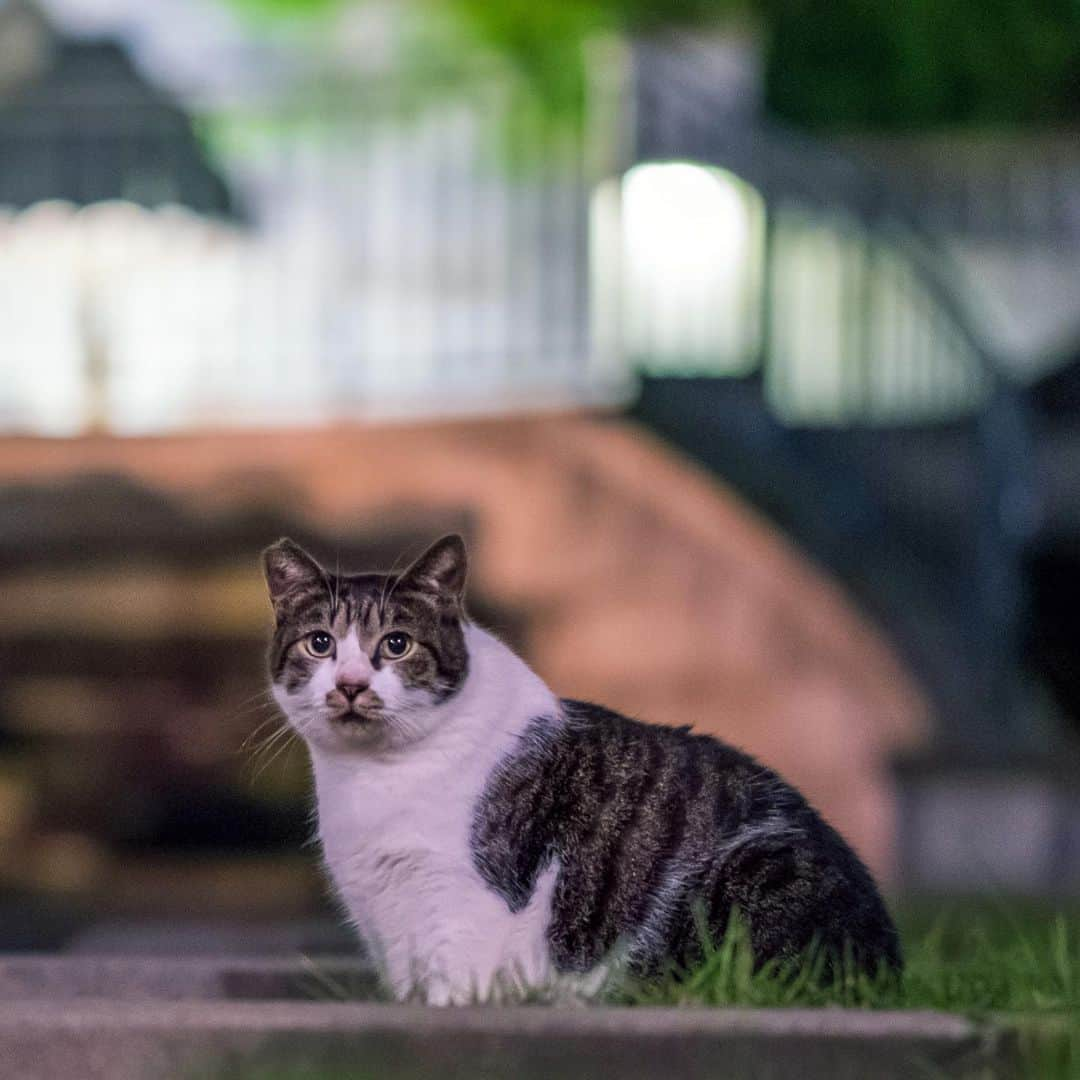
x,y
258,695
253,736
385,597
265,751
253,711
253,703
267,743
336,598
260,705
270,739
282,748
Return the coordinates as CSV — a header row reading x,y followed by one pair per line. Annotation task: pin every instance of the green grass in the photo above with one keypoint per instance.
x,y
1017,964
1012,962
973,960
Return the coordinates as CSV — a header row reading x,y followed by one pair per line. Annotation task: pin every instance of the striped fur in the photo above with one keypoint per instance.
x,y
651,828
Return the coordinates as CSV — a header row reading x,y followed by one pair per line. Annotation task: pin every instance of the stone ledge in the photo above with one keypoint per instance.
x,y
67,979
92,1038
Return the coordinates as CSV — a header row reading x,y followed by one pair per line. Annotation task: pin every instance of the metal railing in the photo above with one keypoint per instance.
x,y
875,418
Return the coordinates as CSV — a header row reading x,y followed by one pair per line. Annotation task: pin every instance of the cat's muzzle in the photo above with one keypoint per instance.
x,y
360,710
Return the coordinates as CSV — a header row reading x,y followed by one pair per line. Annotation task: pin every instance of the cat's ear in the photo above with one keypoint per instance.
x,y
441,569
289,567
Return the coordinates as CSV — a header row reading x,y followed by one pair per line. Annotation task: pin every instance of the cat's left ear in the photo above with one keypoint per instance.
x,y
441,569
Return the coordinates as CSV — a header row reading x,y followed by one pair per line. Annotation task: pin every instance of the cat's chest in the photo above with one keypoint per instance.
x,y
401,842
407,877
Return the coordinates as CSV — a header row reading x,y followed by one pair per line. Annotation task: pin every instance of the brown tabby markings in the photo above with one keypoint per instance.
x,y
653,828
375,604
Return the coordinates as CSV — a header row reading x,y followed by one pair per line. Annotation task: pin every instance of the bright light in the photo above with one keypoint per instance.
x,y
692,268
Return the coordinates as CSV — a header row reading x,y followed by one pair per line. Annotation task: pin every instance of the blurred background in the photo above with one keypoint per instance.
x,y
741,339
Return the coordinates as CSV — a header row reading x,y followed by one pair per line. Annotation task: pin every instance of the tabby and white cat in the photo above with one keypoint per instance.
x,y
477,828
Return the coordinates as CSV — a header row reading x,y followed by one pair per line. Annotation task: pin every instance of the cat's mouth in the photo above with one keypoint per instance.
x,y
358,711
353,719
357,715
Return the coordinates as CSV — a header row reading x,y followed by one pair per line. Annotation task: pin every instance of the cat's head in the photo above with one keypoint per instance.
x,y
363,660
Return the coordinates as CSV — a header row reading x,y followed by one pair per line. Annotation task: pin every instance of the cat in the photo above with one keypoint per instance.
x,y
478,829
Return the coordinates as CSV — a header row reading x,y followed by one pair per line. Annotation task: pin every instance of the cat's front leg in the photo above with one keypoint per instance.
x,y
441,993
434,982
472,973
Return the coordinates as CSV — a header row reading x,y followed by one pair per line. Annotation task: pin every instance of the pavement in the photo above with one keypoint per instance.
x,y
135,1018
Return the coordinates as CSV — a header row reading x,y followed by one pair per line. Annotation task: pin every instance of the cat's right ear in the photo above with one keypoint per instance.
x,y
289,567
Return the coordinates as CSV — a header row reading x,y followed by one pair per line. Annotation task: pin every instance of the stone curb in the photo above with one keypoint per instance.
x,y
200,978
92,1018
94,1039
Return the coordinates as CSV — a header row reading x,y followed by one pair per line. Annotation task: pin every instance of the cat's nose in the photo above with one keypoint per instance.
x,y
352,690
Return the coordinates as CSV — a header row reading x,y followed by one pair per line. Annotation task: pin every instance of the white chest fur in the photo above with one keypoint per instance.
x,y
395,831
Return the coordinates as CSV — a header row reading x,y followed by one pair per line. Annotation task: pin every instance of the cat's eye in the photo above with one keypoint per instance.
x,y
320,643
396,645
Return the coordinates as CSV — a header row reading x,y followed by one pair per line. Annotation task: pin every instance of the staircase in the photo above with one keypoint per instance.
x,y
625,572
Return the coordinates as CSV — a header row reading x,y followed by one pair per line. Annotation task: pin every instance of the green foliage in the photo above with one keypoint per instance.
x,y
542,45
542,42
915,64
544,38
845,64
287,9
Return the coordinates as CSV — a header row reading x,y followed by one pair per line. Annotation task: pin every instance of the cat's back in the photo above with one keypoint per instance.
x,y
652,826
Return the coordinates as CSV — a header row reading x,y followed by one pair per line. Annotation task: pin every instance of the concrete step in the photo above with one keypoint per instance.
x,y
92,1039
144,978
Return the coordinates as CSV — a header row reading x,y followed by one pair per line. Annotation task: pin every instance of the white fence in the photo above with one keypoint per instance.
x,y
391,261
